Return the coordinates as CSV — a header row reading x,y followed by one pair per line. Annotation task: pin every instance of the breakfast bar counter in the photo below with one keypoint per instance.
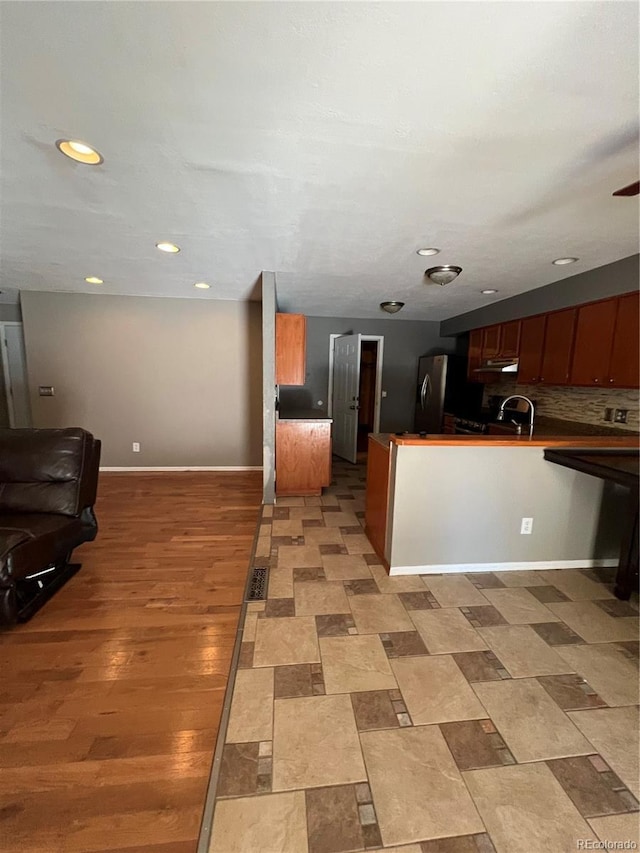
x,y
459,503
621,466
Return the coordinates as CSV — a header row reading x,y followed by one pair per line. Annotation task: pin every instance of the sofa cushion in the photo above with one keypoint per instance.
x,y
32,542
41,470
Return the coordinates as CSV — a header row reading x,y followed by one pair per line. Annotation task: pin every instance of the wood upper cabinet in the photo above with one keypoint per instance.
x,y
624,366
510,339
531,349
474,358
596,344
491,341
558,346
291,349
592,349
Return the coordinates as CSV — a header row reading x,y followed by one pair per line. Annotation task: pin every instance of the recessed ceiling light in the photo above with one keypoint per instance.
x,y
171,248
79,151
92,279
202,285
560,262
487,292
425,252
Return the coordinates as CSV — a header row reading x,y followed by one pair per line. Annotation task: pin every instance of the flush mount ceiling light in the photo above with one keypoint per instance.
x,y
443,274
92,279
426,252
560,262
392,307
170,248
79,151
487,292
202,285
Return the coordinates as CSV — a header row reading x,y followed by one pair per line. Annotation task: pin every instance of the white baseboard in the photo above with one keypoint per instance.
x,y
448,568
134,469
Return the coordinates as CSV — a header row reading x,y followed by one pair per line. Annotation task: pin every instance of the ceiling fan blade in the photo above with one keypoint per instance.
x,y
632,189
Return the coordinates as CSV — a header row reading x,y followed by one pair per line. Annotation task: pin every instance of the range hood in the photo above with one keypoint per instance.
x,y
498,365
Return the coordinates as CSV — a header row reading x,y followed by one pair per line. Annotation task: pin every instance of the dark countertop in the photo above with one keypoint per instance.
x,y
618,466
544,425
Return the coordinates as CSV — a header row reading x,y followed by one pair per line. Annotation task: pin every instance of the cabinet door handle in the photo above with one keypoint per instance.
x,y
611,381
596,380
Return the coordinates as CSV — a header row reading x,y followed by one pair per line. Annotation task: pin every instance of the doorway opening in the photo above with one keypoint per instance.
x,y
367,392
355,391
15,409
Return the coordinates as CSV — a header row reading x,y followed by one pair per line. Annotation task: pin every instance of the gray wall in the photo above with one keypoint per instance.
x,y
10,312
404,342
460,508
181,376
610,280
4,410
268,386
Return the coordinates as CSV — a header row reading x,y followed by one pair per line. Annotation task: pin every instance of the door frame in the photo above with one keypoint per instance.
x,y
378,391
5,370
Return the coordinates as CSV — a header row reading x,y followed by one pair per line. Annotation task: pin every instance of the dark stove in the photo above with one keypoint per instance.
x,y
472,426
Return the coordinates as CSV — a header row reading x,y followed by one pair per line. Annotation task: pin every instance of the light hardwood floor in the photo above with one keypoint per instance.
x,y
110,697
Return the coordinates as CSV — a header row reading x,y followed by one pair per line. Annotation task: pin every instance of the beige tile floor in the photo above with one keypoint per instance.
x,y
488,713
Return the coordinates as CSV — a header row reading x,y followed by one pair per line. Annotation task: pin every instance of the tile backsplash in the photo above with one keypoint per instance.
x,y
584,405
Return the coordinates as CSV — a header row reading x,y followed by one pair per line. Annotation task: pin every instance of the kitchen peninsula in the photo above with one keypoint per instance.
x,y
445,503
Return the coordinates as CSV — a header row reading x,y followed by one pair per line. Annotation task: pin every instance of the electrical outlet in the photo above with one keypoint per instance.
x,y
136,447
608,415
527,525
384,394
620,416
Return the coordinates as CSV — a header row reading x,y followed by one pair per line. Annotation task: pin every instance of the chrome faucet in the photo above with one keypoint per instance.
x,y
532,411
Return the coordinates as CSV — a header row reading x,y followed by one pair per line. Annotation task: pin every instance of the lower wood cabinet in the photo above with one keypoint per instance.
x,y
303,457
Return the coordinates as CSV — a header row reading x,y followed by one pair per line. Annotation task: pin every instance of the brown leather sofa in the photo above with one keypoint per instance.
x,y
48,483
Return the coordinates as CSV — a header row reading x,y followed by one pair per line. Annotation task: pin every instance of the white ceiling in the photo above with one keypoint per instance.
x,y
324,141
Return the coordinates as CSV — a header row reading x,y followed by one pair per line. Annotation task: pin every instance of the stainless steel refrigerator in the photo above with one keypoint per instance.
x,y
443,387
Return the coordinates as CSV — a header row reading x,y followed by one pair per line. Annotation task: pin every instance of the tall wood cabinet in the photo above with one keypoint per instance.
x,y
592,348
624,365
291,349
558,343
531,347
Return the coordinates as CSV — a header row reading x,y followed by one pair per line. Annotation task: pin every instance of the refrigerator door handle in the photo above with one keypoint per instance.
x,y
427,382
423,391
